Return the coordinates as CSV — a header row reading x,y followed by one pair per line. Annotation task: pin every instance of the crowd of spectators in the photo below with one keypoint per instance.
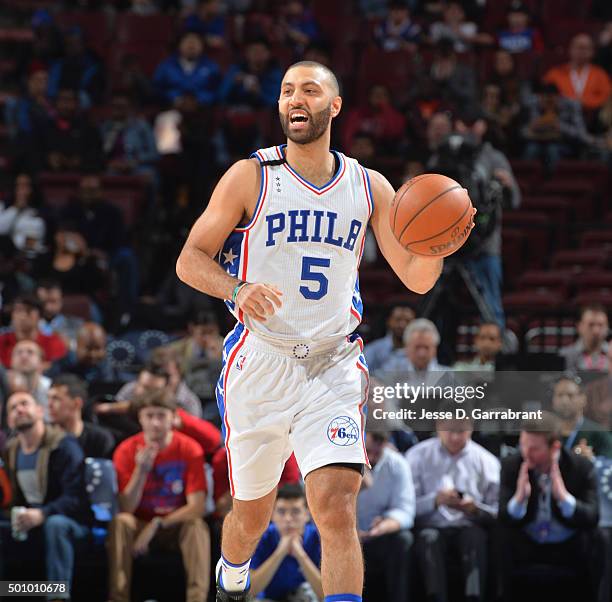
x,y
442,511
434,506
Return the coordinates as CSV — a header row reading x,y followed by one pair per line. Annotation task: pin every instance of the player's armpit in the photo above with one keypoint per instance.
x,y
232,202
419,274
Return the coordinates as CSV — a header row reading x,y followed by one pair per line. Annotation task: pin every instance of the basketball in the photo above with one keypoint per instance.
x,y
431,215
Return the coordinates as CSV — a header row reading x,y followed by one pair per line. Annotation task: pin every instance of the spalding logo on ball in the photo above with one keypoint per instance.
x,y
431,215
343,431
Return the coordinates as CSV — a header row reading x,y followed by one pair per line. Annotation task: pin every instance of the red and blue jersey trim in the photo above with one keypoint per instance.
x,y
231,346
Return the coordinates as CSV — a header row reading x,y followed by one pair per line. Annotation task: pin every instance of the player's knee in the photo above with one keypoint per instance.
x,y
336,514
252,524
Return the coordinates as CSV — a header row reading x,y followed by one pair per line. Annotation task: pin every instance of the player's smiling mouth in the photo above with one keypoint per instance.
x,y
298,118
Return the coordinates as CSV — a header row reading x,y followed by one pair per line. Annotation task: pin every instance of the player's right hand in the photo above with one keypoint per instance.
x,y
258,300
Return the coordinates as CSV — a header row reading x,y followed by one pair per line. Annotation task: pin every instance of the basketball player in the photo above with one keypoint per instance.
x,y
281,241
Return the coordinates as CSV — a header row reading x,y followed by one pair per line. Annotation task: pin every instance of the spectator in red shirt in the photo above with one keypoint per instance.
x,y
25,316
161,496
378,118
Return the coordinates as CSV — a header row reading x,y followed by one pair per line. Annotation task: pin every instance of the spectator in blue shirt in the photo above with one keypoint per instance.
x,y
385,514
254,82
297,26
378,352
288,557
398,31
250,85
31,111
127,140
78,69
188,71
208,22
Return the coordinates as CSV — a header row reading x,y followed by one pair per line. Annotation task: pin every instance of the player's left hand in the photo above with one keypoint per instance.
x,y
141,545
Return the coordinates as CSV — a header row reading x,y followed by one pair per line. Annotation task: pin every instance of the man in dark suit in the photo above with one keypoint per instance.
x,y
549,507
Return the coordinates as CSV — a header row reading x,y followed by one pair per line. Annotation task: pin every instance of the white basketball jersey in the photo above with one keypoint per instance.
x,y
307,241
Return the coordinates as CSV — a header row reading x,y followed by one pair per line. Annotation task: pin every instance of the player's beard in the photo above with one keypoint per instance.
x,y
317,126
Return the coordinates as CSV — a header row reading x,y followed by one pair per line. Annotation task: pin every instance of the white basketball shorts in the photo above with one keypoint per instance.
x,y
275,400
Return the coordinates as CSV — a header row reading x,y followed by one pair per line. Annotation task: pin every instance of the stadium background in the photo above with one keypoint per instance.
x,y
557,245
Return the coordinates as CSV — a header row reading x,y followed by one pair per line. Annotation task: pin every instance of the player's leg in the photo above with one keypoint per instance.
x,y
332,498
256,407
244,526
326,433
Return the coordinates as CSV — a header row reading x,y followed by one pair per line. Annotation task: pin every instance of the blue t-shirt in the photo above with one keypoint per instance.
x,y
289,576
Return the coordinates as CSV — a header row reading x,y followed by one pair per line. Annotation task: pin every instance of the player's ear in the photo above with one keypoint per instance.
x,y
336,106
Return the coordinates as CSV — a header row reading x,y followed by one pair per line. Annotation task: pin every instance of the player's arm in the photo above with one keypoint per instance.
x,y
419,274
234,198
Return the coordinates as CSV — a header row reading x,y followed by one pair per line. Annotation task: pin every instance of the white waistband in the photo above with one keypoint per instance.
x,y
297,349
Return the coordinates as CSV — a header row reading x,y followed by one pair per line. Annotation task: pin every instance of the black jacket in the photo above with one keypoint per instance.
x,y
61,473
580,480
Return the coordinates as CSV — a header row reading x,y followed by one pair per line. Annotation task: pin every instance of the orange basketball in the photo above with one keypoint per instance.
x,y
431,215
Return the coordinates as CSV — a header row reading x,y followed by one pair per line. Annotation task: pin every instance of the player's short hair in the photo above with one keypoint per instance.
x,y
314,65
291,491
75,386
421,325
548,425
158,398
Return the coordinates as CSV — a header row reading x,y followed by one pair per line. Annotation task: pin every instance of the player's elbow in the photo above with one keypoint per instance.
x,y
181,270
420,287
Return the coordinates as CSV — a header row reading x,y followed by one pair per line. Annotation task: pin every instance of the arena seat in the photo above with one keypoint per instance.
x,y
594,281
592,239
391,69
528,172
153,29
514,243
558,281
558,211
126,192
148,55
95,26
602,297
548,336
78,306
579,260
537,229
532,300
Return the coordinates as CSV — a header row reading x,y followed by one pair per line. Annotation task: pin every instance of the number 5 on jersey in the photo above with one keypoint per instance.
x,y
308,263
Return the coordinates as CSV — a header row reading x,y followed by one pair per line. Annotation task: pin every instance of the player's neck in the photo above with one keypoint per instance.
x,y
313,161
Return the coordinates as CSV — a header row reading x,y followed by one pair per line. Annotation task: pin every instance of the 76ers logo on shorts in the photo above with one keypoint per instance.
x,y
343,431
